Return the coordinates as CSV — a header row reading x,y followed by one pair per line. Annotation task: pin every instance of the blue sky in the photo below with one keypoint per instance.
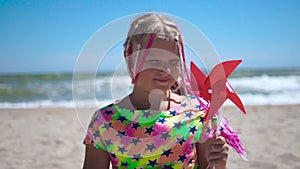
x,y
47,36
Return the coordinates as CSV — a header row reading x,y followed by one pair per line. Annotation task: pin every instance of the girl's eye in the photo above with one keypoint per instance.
x,y
154,62
174,62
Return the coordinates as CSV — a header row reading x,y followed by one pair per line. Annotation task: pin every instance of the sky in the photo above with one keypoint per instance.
x,y
48,36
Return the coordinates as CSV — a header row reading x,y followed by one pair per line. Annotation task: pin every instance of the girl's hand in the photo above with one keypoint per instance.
x,y
216,153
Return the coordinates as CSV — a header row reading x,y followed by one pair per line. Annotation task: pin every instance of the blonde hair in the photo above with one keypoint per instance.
x,y
164,28
151,23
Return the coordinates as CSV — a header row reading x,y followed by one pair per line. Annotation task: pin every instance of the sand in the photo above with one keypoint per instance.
x,y
52,137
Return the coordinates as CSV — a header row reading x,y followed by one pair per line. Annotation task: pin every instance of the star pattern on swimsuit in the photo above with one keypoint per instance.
x,y
208,130
113,155
96,134
149,130
192,146
108,112
150,147
181,158
167,152
180,140
165,135
121,118
107,125
177,125
173,113
135,125
121,149
152,163
95,119
189,114
124,164
137,156
193,129
135,141
162,120
147,114
108,142
91,124
183,105
201,120
121,134
184,130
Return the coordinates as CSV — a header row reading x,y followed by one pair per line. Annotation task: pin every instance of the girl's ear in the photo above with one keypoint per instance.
x,y
127,52
124,54
128,60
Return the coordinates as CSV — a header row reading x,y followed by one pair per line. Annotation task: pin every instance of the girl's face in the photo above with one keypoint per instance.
x,y
161,66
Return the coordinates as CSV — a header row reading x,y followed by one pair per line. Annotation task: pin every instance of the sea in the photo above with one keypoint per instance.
x,y
62,90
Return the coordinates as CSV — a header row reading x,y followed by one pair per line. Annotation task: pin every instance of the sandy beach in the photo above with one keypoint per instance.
x,y
52,137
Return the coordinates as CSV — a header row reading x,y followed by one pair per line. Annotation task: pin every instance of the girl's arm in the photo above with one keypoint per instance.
x,y
95,158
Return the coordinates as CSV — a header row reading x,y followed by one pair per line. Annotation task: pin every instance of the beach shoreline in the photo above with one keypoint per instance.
x,y
52,137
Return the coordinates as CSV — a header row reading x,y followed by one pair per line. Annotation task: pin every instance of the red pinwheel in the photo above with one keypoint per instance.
x,y
215,88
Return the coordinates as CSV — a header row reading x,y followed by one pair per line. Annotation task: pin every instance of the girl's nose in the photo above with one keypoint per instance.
x,y
166,68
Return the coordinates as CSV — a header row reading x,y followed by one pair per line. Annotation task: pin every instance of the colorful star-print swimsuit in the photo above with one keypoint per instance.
x,y
148,139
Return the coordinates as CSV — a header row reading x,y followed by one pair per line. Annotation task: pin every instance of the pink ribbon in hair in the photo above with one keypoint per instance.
x,y
135,77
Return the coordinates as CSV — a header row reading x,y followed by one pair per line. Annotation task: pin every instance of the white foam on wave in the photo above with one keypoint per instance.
x,y
268,90
247,99
267,83
287,98
53,104
274,99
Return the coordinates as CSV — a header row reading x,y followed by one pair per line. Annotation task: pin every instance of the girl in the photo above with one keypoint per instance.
x,y
159,124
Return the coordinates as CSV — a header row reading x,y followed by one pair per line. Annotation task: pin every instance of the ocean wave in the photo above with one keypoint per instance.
x,y
286,98
258,89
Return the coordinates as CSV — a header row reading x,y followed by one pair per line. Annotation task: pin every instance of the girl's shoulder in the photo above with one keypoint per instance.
x,y
106,111
107,107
